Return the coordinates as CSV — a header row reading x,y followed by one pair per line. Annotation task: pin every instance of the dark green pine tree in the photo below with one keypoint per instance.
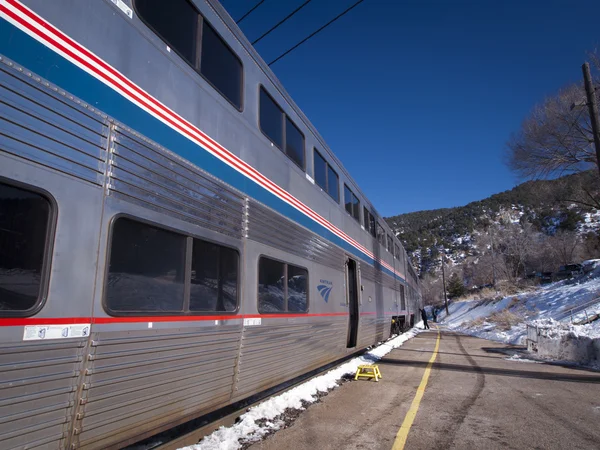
x,y
456,288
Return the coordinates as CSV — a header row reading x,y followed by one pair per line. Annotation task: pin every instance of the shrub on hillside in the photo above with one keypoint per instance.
x,y
504,319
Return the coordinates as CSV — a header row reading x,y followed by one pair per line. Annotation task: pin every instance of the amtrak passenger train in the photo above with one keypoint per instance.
x,y
175,236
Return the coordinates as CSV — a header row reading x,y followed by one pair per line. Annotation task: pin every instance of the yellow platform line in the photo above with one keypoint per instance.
x,y
402,435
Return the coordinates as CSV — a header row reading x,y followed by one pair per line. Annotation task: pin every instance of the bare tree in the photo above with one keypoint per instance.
x,y
543,257
479,270
564,245
515,246
432,290
555,138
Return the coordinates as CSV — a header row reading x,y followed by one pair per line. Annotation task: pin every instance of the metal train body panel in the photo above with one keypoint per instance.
x,y
100,154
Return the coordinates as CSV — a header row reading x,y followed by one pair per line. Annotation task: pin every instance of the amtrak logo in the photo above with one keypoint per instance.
x,y
325,289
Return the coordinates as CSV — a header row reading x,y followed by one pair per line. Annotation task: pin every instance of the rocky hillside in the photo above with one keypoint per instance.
x,y
561,207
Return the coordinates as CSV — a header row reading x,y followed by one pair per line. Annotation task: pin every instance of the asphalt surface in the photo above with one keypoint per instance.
x,y
475,399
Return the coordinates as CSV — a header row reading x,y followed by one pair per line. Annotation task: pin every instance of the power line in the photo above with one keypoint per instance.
x,y
283,20
248,13
311,35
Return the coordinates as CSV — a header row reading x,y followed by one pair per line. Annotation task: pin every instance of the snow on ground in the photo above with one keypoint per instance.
x,y
266,417
469,317
517,358
556,310
557,301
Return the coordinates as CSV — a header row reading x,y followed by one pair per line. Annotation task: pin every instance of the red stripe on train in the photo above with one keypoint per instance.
x,y
22,321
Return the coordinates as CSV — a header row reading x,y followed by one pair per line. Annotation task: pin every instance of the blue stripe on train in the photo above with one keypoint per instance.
x,y
36,57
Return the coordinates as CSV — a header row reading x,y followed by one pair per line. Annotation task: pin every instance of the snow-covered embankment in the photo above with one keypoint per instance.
x,y
554,311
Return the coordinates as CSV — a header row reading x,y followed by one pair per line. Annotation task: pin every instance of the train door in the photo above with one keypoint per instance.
x,y
352,300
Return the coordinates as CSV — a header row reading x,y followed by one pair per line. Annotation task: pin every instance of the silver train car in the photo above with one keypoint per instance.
x,y
175,236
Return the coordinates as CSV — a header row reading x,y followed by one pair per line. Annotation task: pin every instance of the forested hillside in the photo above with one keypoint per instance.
x,y
542,212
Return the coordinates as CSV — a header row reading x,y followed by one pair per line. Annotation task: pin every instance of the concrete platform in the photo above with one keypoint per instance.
x,y
475,399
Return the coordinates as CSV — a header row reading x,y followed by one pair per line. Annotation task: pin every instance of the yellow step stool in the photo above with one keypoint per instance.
x,y
368,371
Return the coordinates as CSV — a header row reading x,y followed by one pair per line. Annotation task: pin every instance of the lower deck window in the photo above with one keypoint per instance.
x,y
281,287
146,270
149,272
214,277
24,222
296,283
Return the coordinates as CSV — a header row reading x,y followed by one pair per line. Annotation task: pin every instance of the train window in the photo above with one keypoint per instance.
x,y
390,244
289,139
182,27
176,23
351,203
146,268
221,67
320,170
397,251
24,223
333,184
271,286
296,288
373,229
356,208
369,222
214,277
326,177
271,119
281,287
294,143
348,199
147,272
380,234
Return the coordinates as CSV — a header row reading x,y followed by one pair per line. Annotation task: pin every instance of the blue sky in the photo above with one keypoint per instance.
x,y
418,98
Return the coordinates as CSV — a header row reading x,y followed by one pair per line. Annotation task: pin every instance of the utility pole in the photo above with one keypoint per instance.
x,y
593,107
444,283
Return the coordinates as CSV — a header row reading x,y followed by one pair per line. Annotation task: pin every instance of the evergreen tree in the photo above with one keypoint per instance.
x,y
456,288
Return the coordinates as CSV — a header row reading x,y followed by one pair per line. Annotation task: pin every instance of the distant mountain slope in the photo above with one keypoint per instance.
x,y
549,205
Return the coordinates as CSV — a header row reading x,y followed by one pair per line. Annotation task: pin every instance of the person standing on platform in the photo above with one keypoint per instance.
x,y
424,317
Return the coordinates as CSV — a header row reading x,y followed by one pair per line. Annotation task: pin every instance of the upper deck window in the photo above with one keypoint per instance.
x,y
271,119
294,143
24,237
369,222
280,129
220,65
333,187
186,31
352,203
380,234
326,177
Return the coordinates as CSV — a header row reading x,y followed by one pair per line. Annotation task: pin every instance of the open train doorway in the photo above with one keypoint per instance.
x,y
352,299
